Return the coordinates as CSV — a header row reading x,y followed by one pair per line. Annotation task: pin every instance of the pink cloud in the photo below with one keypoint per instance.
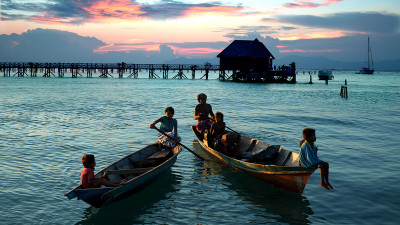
x,y
127,10
197,51
109,10
228,10
127,48
154,47
309,4
309,50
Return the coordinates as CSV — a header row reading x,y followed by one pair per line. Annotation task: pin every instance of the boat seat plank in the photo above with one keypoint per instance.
x,y
252,145
159,154
129,171
115,177
286,159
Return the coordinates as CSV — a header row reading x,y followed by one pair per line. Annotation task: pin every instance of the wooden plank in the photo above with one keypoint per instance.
x,y
287,158
129,171
251,147
159,154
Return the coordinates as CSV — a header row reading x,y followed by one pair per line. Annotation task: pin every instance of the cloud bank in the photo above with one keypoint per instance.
x,y
372,22
83,11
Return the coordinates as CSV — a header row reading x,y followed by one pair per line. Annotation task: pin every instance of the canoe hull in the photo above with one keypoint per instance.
x,y
100,197
291,178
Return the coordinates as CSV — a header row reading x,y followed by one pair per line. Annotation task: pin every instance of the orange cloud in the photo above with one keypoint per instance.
x,y
113,10
153,47
127,48
196,51
213,10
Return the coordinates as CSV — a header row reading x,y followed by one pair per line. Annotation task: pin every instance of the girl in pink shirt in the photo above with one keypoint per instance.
x,y
87,176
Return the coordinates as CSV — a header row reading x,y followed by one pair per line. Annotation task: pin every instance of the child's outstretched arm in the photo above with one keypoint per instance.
x,y
153,125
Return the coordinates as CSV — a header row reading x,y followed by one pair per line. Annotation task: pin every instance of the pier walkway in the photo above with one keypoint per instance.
x,y
105,69
122,70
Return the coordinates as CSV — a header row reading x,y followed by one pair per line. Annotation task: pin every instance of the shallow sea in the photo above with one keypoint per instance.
x,y
47,124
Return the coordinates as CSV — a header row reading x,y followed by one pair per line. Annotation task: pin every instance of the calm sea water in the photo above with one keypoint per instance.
x,y
47,124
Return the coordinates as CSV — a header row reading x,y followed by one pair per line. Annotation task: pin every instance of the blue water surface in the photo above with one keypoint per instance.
x,y
47,124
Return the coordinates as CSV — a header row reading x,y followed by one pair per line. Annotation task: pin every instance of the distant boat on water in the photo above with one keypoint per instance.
x,y
368,70
325,75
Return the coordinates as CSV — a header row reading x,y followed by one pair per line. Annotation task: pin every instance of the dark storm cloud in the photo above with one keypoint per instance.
x,y
374,22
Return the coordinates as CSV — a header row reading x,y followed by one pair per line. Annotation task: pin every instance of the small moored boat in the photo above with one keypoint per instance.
x,y
325,75
269,163
368,70
139,168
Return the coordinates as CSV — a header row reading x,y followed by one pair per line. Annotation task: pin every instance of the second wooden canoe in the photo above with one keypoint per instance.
x,y
282,171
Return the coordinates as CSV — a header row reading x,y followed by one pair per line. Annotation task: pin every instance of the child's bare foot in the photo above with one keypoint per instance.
x,y
325,186
329,185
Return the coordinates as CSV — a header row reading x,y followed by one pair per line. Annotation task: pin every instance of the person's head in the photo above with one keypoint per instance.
x,y
169,112
309,135
88,161
202,97
219,117
228,138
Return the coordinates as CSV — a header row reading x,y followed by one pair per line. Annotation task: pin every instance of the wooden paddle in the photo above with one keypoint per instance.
x,y
194,153
231,130
228,128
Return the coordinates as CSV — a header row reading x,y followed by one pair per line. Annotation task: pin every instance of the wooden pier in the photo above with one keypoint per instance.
x,y
121,70
105,70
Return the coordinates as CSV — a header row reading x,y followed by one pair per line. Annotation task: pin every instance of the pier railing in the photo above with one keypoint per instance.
x,y
105,69
284,75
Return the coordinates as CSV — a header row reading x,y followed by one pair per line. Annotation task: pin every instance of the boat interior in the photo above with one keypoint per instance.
x,y
136,163
254,151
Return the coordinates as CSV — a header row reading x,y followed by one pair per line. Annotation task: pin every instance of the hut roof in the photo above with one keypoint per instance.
x,y
246,48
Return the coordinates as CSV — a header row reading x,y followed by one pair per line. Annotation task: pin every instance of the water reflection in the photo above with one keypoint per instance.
x,y
266,201
132,209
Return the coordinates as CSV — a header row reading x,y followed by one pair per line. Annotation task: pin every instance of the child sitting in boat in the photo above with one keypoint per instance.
x,y
87,176
228,144
201,112
218,126
217,129
168,124
309,158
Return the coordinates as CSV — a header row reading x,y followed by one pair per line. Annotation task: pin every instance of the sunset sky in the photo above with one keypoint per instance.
x,y
188,28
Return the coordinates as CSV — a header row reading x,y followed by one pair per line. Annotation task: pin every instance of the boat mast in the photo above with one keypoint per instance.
x,y
370,56
368,52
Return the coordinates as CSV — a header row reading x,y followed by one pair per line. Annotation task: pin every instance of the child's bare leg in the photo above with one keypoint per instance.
x,y
326,175
324,167
323,184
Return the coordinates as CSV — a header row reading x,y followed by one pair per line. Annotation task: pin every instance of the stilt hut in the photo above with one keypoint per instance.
x,y
249,61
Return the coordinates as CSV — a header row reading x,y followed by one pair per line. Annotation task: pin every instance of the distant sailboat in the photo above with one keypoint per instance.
x,y
368,70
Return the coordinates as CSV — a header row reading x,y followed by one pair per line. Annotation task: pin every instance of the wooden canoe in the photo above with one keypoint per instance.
x,y
139,168
282,171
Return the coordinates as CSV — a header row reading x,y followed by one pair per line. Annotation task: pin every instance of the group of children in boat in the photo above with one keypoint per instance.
x,y
212,128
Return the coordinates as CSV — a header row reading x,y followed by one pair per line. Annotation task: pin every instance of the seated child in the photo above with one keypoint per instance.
x,y
218,126
201,112
228,144
309,158
169,126
87,176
